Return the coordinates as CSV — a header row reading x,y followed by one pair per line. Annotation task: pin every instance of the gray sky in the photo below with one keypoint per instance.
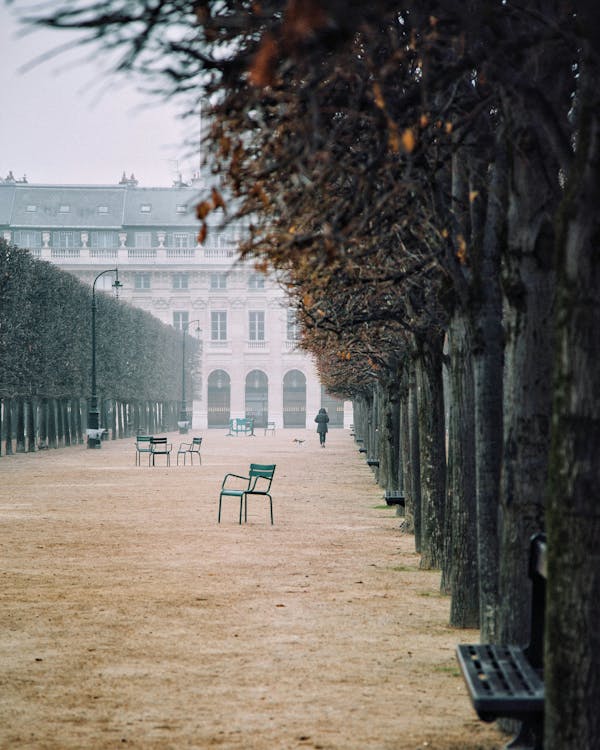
x,y
66,121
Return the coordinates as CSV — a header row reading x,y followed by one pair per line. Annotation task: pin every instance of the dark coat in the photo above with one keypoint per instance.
x,y
321,419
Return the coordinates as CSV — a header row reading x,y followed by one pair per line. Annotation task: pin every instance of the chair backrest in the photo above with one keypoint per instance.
x,y
196,442
158,441
261,471
143,442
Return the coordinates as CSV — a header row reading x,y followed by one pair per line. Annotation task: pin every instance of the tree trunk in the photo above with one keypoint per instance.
x,y
432,450
462,511
572,655
413,497
529,300
488,345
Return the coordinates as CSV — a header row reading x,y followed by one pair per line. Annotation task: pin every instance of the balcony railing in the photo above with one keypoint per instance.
x,y
124,255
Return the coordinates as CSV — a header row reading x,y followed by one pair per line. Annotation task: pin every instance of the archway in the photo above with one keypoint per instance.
x,y
294,399
334,407
257,397
219,398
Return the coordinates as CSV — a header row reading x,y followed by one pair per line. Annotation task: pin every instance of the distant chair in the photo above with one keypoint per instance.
x,y
270,427
160,447
258,482
142,445
190,449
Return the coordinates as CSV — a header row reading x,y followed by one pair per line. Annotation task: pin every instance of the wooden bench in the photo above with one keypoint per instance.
x,y
507,681
190,449
142,445
160,447
373,463
243,425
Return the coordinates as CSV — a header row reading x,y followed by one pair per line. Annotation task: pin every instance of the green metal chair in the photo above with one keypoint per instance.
x,y
160,447
190,449
142,445
257,483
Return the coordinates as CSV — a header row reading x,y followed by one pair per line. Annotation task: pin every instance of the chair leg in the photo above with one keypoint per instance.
x,y
219,516
271,506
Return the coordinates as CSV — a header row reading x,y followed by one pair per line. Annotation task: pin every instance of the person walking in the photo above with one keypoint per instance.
x,y
321,419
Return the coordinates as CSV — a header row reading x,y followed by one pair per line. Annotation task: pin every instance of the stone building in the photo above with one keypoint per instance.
x,y
249,363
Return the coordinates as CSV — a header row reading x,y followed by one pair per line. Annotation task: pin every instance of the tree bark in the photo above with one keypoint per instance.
x,y
529,301
488,345
462,511
432,450
572,656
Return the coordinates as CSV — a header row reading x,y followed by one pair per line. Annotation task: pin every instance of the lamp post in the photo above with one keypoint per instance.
x,y
184,421
94,433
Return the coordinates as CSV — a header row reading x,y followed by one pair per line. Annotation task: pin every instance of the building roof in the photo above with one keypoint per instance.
x,y
96,206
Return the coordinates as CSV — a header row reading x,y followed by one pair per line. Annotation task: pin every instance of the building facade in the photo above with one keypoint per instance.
x,y
248,363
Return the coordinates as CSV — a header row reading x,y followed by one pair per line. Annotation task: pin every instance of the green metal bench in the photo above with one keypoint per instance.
x,y
244,425
258,482
506,680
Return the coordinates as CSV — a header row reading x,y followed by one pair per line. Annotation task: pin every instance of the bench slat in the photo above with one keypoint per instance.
x,y
501,681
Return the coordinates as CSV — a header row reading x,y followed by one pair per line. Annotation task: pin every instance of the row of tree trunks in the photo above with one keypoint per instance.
x,y
28,424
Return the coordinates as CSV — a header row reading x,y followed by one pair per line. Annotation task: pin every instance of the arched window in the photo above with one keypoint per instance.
x,y
257,397
294,399
219,398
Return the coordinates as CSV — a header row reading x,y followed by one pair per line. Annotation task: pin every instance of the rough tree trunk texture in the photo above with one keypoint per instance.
x,y
432,450
405,466
488,353
413,499
20,424
461,511
7,426
388,444
528,285
572,658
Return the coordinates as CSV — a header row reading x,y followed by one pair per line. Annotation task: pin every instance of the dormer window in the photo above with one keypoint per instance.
x,y
64,208
145,208
102,209
31,209
181,209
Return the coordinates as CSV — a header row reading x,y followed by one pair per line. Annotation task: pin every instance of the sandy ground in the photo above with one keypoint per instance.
x,y
130,618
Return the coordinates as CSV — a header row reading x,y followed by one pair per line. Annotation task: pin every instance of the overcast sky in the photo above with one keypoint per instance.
x,y
66,121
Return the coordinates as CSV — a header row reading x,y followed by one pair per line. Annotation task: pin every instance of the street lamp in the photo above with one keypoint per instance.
x,y
94,433
184,421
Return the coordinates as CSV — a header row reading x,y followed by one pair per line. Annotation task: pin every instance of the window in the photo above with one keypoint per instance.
x,y
103,240
31,208
180,320
256,327
102,209
256,281
141,281
143,239
64,208
181,209
218,326
64,239
180,281
181,239
218,281
27,238
145,208
293,327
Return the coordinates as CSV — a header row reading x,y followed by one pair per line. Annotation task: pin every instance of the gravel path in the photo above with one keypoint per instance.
x,y
130,618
